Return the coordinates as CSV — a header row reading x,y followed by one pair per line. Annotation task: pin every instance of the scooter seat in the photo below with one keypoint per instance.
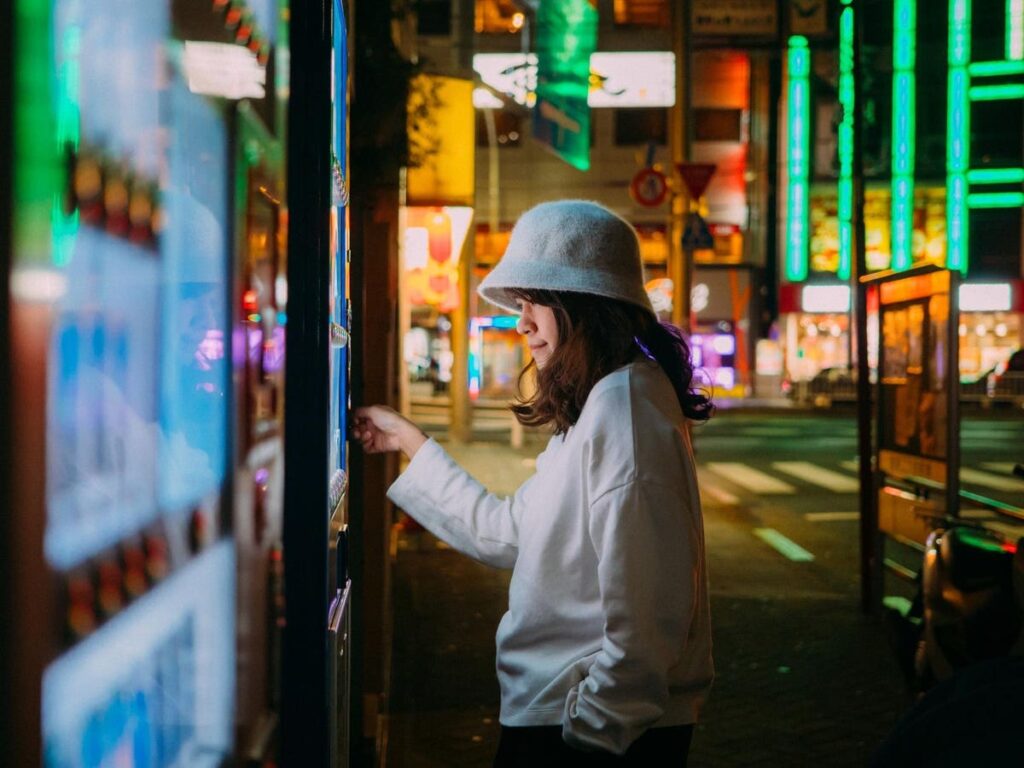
x,y
975,559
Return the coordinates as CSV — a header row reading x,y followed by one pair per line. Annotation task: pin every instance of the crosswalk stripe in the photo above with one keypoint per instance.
x,y
717,494
977,514
977,477
749,478
830,517
852,465
812,473
1002,467
783,545
770,432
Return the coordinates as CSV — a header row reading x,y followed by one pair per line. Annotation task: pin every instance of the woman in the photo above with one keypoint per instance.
x,y
606,646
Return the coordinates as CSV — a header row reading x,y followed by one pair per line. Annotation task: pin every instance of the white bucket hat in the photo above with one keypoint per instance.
x,y
569,245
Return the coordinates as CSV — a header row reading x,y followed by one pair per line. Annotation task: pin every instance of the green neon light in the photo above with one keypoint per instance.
x,y
37,173
845,143
995,199
995,176
996,68
65,227
997,92
958,134
798,209
1015,30
904,98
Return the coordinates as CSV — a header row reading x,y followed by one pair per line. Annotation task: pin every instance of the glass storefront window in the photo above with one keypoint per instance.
x,y
498,16
641,13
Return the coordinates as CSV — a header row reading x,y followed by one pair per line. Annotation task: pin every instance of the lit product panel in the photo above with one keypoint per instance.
x,y
846,141
958,133
797,220
903,128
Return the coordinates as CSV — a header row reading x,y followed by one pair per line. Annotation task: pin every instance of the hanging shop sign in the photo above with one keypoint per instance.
x,y
432,244
566,36
734,18
808,18
441,147
649,187
617,78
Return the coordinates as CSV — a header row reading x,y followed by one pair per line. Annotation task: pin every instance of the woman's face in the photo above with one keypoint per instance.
x,y
537,323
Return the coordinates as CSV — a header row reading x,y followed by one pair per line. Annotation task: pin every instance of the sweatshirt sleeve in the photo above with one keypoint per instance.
x,y
647,573
449,503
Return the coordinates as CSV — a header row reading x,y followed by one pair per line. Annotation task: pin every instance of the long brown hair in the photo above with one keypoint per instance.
x,y
596,336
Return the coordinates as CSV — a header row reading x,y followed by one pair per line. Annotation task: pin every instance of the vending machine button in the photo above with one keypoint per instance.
x,y
134,561
157,566
110,597
81,617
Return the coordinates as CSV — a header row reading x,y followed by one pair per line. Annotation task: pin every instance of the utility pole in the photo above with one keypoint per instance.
x,y
869,539
680,270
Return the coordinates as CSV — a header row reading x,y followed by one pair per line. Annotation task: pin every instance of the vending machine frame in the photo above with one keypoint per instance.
x,y
316,660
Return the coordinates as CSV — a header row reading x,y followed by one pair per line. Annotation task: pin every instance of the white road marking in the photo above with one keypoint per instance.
x,y
812,473
749,478
977,514
977,477
783,545
717,494
830,517
853,465
1002,467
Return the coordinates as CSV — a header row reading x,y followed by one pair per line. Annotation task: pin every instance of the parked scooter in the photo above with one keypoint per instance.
x,y
969,659
970,604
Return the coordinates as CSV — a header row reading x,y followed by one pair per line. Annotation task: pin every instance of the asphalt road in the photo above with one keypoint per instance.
x,y
803,677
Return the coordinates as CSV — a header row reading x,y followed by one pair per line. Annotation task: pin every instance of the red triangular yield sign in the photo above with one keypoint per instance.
x,y
696,177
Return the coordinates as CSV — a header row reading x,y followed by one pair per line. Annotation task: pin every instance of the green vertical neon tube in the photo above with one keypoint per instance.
x,y
958,134
845,142
37,169
903,132
798,120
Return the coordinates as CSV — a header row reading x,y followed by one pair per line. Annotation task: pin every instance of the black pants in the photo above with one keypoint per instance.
x,y
542,747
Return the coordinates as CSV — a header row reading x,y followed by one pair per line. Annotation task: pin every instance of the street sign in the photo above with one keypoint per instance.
x,y
566,36
649,187
697,235
696,176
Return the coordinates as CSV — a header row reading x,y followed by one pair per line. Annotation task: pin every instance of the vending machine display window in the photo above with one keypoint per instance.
x,y
154,686
195,371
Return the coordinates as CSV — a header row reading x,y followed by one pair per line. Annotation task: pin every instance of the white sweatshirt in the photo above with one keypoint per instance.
x,y
608,631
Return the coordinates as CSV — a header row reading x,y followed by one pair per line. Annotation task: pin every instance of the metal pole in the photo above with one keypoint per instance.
x,y
870,559
953,393
461,424
678,262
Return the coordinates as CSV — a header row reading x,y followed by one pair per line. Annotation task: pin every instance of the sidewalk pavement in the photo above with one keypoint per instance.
x,y
803,679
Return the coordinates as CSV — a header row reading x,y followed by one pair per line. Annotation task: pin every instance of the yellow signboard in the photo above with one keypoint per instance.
x,y
441,141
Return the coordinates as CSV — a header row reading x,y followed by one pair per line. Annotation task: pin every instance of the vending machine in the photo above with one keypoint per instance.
x,y
144,267
318,595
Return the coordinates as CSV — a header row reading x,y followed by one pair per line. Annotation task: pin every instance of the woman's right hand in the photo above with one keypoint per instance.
x,y
381,429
